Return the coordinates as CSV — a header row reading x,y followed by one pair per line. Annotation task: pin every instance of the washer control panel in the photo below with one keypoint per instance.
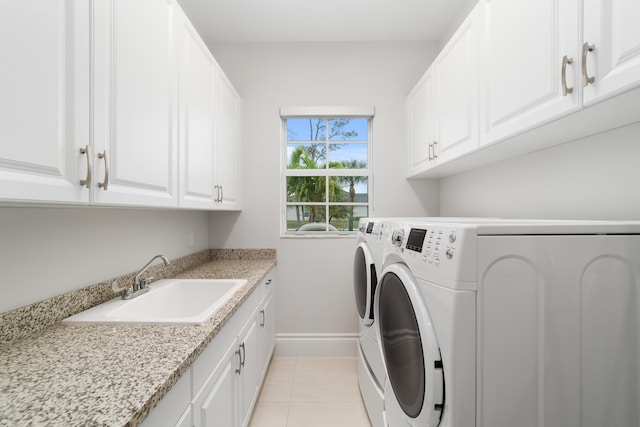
x,y
436,250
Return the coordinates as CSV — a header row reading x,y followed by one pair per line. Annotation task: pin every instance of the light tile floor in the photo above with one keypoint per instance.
x,y
310,392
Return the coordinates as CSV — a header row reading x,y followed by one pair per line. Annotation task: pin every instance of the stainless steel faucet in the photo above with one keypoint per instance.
x,y
139,285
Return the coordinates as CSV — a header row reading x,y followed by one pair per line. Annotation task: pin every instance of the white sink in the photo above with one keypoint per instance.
x,y
184,301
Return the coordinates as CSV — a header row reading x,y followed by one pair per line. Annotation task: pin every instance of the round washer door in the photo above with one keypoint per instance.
x,y
410,351
364,282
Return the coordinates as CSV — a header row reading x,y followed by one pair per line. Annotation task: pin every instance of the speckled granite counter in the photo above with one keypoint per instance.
x,y
106,375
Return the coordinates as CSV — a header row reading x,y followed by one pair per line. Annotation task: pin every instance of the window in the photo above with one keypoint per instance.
x,y
326,174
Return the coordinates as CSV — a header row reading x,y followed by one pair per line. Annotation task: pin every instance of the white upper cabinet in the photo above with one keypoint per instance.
x,y
456,77
227,143
197,88
134,102
421,123
527,47
442,109
101,99
44,100
612,32
538,75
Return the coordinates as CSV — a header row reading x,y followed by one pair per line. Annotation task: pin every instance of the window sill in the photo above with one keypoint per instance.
x,y
350,235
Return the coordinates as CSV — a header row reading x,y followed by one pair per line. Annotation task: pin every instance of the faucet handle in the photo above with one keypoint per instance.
x,y
117,288
144,280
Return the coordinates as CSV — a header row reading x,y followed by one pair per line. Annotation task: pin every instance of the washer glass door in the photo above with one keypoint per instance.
x,y
364,282
410,350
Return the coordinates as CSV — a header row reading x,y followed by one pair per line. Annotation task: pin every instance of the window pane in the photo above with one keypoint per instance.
x,y
354,189
349,129
306,156
306,218
345,218
308,129
325,147
348,156
306,189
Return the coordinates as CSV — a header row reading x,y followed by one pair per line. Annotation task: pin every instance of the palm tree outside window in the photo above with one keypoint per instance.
x,y
326,174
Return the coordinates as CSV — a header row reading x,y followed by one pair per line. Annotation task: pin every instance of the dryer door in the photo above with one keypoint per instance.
x,y
410,351
364,282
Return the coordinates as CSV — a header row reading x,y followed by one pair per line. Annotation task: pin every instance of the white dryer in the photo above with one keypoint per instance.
x,y
502,323
367,266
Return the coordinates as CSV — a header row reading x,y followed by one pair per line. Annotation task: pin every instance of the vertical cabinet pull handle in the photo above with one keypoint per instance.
x,y
263,318
430,151
586,48
242,359
239,362
565,89
435,153
104,184
221,194
86,182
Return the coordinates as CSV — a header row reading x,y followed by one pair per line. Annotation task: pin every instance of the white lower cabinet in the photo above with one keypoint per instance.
x,y
216,404
221,387
266,332
174,410
230,391
248,380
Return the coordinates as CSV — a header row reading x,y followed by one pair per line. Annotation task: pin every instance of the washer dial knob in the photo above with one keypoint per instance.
x,y
397,237
449,253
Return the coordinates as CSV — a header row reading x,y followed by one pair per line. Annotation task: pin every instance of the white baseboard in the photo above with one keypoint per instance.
x,y
316,344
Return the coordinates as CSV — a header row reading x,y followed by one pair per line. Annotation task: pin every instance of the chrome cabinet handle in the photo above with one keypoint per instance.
x,y
268,282
239,369
435,145
242,359
104,184
263,318
430,151
87,180
221,194
565,89
218,189
586,48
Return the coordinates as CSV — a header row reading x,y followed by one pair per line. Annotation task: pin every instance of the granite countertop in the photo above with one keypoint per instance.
x,y
110,375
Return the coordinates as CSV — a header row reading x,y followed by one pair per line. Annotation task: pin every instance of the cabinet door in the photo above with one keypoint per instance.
x,y
266,332
197,79
611,26
248,344
227,144
134,122
456,75
174,410
421,126
523,47
217,403
44,100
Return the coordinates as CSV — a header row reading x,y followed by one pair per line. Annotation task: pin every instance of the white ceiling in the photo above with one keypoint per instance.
x,y
324,20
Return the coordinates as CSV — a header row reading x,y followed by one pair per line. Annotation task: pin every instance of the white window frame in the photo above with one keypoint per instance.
x,y
323,113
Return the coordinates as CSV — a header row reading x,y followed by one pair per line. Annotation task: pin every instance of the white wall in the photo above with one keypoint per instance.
x,y
315,276
46,252
593,178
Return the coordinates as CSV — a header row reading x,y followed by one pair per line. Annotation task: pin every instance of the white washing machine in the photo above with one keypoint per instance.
x,y
367,266
503,323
